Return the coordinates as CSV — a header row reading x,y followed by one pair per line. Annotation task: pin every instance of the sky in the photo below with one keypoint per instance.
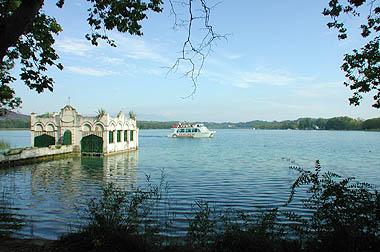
x,y
279,62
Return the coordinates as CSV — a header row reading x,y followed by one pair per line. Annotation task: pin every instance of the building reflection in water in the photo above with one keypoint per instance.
x,y
67,179
121,169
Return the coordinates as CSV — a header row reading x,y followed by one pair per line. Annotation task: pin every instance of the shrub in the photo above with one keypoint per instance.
x,y
345,216
202,227
346,213
235,230
258,231
4,145
119,220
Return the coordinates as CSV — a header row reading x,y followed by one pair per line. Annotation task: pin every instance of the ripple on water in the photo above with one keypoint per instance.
x,y
239,169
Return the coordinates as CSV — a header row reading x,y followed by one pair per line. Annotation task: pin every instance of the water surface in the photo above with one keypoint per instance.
x,y
238,168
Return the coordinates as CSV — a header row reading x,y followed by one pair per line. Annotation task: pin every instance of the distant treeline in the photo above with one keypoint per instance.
x,y
335,123
155,124
15,123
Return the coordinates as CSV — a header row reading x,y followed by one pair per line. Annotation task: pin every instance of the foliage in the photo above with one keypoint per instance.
x,y
28,35
46,115
345,216
345,213
15,123
100,113
30,47
132,115
335,123
4,145
155,124
371,124
121,219
361,67
202,227
124,16
235,230
343,123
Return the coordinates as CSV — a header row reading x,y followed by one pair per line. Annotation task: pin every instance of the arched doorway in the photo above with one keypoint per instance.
x,y
67,138
43,140
91,144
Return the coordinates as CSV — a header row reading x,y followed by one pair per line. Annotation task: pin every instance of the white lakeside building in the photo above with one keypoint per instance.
x,y
96,135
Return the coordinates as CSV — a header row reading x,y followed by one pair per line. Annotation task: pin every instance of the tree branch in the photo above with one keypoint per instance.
x,y
12,27
194,53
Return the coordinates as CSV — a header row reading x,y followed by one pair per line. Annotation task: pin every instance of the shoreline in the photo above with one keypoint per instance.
x,y
364,130
20,129
26,244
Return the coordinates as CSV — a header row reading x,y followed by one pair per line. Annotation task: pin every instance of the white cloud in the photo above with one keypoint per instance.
x,y
247,79
112,60
89,71
320,89
79,47
233,56
277,78
140,49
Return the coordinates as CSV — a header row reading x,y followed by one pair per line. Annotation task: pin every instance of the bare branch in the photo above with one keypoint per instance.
x,y
194,52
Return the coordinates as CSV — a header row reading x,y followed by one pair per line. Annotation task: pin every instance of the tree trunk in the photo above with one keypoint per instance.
x,y
12,27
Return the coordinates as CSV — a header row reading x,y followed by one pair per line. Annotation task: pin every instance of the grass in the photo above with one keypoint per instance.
x,y
4,145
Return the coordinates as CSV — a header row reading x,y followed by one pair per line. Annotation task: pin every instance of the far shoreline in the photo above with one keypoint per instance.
x,y
6,129
364,130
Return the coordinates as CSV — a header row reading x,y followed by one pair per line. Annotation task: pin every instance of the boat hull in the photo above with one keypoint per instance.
x,y
193,135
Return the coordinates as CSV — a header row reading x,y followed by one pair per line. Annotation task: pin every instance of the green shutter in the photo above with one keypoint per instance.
x,y
118,136
92,144
125,135
110,137
67,139
44,141
131,136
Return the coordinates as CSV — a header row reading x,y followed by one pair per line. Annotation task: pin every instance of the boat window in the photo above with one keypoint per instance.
x,y
188,130
181,130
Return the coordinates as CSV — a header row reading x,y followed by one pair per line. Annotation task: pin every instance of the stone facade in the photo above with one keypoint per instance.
x,y
100,134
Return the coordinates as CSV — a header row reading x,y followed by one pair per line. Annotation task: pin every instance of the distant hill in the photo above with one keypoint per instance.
x,y
11,119
335,123
6,114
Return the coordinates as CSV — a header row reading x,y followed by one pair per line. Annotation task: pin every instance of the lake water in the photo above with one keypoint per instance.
x,y
238,168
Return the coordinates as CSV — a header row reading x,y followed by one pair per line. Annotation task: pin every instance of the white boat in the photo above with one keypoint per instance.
x,y
196,130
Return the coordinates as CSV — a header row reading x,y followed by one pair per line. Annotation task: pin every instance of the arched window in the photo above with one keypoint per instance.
x,y
39,127
50,127
86,127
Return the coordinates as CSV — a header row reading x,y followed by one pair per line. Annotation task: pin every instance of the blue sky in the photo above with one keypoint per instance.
x,y
280,62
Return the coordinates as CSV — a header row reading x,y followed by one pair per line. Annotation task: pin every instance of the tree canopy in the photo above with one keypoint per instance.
x,y
27,37
361,66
